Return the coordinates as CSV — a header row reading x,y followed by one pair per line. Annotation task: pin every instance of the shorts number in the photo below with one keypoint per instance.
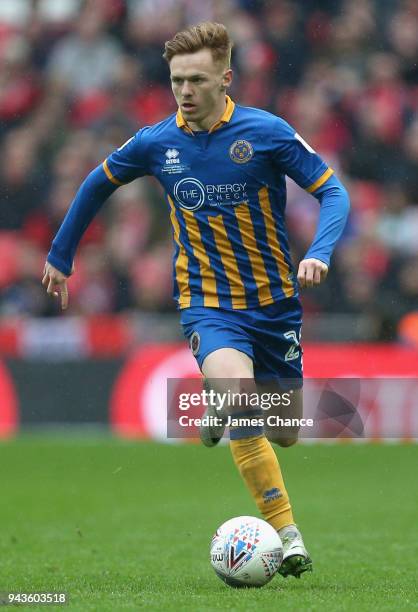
x,y
294,351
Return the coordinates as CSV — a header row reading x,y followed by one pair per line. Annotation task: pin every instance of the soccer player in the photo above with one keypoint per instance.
x,y
223,170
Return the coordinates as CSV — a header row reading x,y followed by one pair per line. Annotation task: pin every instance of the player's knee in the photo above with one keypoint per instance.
x,y
283,440
286,442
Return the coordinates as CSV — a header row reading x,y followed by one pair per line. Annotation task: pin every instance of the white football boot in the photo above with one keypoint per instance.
x,y
296,559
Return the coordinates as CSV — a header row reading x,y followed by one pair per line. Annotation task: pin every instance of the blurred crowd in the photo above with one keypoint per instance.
x,y
78,78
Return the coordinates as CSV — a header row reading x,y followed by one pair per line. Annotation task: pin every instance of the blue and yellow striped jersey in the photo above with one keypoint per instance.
x,y
226,193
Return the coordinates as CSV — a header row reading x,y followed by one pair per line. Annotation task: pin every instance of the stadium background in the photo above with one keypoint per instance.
x,y
79,78
125,524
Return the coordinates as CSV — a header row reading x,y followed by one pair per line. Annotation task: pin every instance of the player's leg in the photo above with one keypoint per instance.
x,y
224,353
278,359
212,331
296,559
216,338
225,370
228,369
277,419
278,369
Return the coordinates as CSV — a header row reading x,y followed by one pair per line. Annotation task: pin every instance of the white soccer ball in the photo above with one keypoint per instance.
x,y
246,551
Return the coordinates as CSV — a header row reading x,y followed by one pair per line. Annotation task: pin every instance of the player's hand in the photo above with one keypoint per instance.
x,y
312,272
56,283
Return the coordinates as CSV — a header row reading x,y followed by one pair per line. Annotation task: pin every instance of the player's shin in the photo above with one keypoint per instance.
x,y
260,469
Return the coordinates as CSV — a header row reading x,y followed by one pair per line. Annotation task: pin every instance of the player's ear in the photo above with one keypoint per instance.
x,y
226,79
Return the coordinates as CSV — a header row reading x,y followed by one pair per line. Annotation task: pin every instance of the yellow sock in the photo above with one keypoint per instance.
x,y
259,467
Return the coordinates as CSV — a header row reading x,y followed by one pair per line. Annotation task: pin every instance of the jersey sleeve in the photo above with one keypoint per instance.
x,y
128,162
295,158
122,166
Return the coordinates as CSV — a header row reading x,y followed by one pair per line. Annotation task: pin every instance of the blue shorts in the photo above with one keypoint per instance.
x,y
269,335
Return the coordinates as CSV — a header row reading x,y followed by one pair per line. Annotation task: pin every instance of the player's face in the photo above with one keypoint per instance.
x,y
199,85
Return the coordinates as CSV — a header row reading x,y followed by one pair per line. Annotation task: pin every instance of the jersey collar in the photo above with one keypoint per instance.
x,y
226,117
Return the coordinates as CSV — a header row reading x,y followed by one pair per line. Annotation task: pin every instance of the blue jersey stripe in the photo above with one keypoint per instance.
x,y
241,257
273,240
252,247
181,262
229,261
223,286
200,262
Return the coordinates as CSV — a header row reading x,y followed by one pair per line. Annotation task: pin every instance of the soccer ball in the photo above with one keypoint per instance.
x,y
246,551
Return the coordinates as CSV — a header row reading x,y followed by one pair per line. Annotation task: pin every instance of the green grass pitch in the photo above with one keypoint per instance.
x,y
126,526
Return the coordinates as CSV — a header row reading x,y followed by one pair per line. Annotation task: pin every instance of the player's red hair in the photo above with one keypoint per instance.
x,y
205,35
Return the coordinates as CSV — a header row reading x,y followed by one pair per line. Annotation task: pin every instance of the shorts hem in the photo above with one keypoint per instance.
x,y
200,360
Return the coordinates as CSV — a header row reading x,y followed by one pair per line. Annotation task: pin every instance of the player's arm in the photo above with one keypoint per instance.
x,y
334,208
298,160
91,195
123,166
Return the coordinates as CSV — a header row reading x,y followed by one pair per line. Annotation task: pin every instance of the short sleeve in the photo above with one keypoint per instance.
x,y
295,158
128,162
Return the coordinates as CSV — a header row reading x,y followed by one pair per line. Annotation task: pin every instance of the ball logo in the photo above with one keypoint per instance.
x,y
189,193
241,151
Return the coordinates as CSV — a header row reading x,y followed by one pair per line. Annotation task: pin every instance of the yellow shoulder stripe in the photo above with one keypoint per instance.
x,y
319,182
109,175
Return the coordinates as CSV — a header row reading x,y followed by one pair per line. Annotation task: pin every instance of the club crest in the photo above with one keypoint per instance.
x,y
241,151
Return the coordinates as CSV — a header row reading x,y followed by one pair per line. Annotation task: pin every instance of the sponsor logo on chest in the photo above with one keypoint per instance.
x,y
192,194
